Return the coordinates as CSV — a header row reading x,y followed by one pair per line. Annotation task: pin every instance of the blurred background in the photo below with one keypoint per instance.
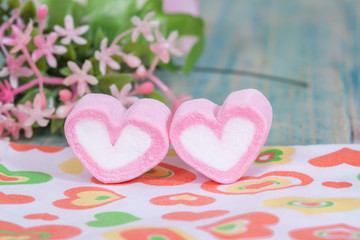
x,y
303,55
313,46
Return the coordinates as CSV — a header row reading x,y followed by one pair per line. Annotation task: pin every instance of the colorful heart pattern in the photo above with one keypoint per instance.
x,y
11,231
161,175
342,156
148,233
87,197
49,194
8,177
274,156
27,147
193,216
110,219
244,226
337,231
189,199
15,198
41,216
314,205
268,182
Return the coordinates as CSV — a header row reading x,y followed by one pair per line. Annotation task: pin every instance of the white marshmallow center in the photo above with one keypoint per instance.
x,y
222,154
94,137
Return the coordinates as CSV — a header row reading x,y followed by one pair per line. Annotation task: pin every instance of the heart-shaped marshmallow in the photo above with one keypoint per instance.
x,y
222,142
117,144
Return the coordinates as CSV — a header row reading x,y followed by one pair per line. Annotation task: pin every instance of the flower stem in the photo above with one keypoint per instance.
x,y
154,64
54,81
25,86
162,86
118,38
34,68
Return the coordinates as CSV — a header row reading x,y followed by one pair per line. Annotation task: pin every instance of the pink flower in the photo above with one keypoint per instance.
x,y
6,94
15,69
11,126
22,117
5,108
144,27
124,95
35,112
47,48
104,56
7,122
140,72
64,110
145,88
70,32
20,39
131,60
80,77
42,12
164,47
184,6
185,43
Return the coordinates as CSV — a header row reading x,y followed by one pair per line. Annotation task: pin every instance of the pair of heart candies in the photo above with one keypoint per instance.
x,y
117,144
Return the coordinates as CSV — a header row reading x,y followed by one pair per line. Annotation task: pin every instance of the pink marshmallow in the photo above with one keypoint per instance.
x,y
222,141
116,144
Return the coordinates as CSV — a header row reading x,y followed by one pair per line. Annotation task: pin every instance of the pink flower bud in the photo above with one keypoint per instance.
x,y
145,88
65,95
132,61
63,111
42,12
140,72
40,100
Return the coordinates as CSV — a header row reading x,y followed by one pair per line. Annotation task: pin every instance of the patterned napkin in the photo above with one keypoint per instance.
x,y
302,192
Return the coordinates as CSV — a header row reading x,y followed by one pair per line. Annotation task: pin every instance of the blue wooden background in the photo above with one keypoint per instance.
x,y
315,44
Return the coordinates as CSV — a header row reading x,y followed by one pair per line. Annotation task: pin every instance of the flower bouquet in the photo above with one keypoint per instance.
x,y
54,52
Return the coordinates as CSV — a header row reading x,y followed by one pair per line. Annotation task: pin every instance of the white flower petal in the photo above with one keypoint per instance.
x,y
81,30
86,66
79,40
4,72
69,22
51,60
92,80
70,80
66,40
61,31
59,49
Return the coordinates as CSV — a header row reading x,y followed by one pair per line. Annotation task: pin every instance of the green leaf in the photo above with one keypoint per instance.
x,y
13,3
70,54
41,64
156,95
152,6
56,125
58,9
194,55
65,71
112,16
119,79
99,36
28,11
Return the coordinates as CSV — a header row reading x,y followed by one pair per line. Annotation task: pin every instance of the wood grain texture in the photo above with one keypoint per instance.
x,y
313,41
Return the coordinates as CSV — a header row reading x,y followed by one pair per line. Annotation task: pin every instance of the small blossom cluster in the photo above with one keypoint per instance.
x,y
25,43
